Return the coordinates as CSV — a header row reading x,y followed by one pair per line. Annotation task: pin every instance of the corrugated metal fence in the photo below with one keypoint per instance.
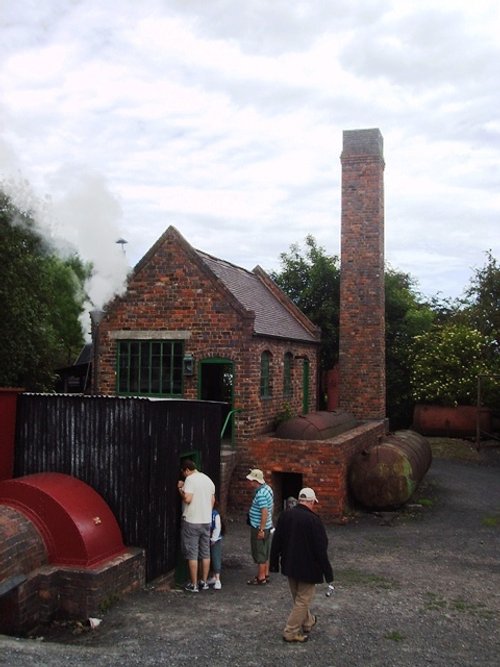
x,y
128,450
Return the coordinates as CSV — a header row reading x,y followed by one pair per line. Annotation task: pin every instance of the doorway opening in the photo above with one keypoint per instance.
x,y
216,383
286,487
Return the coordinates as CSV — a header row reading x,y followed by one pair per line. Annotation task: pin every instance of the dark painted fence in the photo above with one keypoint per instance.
x,y
129,451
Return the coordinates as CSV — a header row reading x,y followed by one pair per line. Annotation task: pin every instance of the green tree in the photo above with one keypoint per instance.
x,y
481,311
41,299
483,301
446,362
311,279
406,316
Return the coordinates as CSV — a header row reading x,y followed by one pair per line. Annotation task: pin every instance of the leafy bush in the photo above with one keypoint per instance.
x,y
446,363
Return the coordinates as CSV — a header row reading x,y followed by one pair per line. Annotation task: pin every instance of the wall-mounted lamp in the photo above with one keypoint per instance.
x,y
188,364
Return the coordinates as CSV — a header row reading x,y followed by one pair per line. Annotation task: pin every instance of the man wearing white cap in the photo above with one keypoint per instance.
x,y
300,547
260,518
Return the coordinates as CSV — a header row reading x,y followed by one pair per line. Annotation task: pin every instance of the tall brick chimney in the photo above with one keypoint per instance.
x,y
362,299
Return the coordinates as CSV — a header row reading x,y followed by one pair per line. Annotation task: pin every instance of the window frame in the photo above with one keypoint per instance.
x,y
265,375
148,378
287,375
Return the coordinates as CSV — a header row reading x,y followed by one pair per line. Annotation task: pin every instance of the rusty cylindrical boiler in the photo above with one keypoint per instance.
x,y
386,475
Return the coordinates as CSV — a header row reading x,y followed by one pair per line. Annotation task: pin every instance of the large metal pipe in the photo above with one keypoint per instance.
x,y
386,475
95,318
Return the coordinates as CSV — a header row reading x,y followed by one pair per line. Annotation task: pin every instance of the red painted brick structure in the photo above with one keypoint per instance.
x,y
33,591
362,312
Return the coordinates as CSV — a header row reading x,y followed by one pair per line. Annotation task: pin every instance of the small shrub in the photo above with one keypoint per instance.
x,y
490,521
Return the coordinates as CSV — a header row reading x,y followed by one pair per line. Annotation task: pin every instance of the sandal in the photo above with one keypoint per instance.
x,y
257,582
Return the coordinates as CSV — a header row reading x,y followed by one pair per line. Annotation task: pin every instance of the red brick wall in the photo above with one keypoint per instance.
x,y
22,548
80,593
171,292
50,591
362,314
323,465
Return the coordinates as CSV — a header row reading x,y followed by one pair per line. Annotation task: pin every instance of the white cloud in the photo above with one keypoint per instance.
x,y
228,117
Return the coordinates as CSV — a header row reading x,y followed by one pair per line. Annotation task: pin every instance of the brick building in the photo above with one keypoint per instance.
x,y
194,326
324,464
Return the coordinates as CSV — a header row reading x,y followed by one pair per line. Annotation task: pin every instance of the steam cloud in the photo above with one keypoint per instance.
x,y
84,217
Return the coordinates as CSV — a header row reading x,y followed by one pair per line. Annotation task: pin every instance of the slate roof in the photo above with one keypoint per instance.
x,y
85,356
272,318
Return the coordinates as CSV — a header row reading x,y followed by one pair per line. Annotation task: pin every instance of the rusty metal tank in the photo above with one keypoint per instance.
x,y
318,425
386,475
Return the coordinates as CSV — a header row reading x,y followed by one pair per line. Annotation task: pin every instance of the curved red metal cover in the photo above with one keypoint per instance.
x,y
75,522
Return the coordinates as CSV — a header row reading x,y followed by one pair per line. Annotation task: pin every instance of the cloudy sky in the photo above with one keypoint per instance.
x,y
224,118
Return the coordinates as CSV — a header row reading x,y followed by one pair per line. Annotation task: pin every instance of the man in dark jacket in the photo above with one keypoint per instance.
x,y
300,546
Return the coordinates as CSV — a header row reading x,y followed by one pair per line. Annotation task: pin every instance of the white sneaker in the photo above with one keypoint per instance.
x,y
217,585
190,588
211,581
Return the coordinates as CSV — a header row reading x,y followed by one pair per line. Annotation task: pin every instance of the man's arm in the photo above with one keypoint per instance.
x,y
186,497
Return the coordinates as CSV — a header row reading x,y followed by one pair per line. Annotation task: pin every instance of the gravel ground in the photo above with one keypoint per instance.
x,y
416,587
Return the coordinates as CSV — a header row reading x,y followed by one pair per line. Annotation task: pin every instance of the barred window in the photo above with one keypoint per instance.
x,y
150,367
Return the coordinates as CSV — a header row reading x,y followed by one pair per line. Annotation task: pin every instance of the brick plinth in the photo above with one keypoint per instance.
x,y
32,592
321,464
60,592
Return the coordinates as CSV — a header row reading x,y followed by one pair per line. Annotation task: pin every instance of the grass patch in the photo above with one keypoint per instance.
x,y
434,602
472,608
426,493
387,541
454,449
491,521
352,577
108,602
395,636
437,603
